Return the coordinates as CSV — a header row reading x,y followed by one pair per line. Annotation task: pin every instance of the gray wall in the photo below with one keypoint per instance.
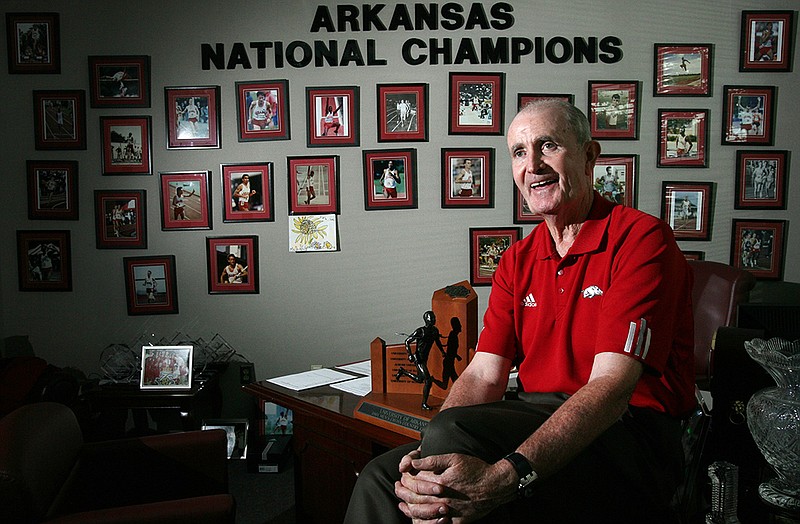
x,y
325,308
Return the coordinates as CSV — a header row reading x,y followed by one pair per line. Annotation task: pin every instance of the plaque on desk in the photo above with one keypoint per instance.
x,y
399,412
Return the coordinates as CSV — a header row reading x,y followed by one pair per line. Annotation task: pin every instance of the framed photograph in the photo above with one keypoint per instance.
x,y
761,179
748,114
127,144
523,213
683,138
524,99
402,112
694,255
44,260
614,109
119,81
232,264
59,119
263,110
486,246
52,189
185,200
333,116
468,177
682,69
313,233
390,179
313,184
166,367
236,429
758,246
247,192
615,178
120,218
477,103
767,41
686,207
151,285
33,43
193,117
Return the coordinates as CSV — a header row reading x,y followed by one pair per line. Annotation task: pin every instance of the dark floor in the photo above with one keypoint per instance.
x,y
262,498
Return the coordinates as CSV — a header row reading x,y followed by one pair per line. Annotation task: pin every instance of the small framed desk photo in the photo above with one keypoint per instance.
x,y
166,367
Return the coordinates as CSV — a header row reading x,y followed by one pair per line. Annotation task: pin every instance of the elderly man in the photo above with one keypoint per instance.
x,y
594,307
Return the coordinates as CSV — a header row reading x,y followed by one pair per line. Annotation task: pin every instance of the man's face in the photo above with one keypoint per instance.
x,y
551,170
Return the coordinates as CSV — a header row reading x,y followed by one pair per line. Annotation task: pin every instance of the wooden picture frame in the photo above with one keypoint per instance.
x,y
151,285
682,69
59,119
33,43
332,116
468,177
262,110
682,138
693,255
614,109
748,114
524,99
522,213
761,179
390,179
767,41
686,207
166,367
247,192
120,218
44,260
119,81
185,200
127,145
402,112
615,178
232,264
193,116
477,103
758,246
313,183
52,189
486,246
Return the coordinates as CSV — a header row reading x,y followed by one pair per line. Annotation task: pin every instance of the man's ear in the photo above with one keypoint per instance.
x,y
592,152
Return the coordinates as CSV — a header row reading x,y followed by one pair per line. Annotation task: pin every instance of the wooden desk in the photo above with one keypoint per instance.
x,y
330,447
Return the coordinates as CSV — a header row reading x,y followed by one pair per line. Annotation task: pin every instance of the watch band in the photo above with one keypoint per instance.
x,y
526,474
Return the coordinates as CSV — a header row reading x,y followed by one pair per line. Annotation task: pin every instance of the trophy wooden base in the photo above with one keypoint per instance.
x,y
398,412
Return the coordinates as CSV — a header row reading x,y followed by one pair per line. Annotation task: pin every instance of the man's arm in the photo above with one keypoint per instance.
x,y
484,380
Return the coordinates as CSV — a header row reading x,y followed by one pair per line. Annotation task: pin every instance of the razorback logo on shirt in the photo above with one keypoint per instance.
x,y
591,292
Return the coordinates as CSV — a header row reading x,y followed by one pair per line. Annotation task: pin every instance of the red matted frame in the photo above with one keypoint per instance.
x,y
120,218
682,138
748,114
767,41
376,164
44,260
26,58
522,213
486,246
402,112
195,127
614,109
275,95
693,255
615,178
127,145
468,177
686,207
155,293
52,189
524,99
761,179
196,204
477,103
332,116
758,246
682,69
119,81
259,205
313,183
59,119
243,277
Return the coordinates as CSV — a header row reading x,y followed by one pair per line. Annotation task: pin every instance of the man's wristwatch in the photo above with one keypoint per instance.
x,y
526,474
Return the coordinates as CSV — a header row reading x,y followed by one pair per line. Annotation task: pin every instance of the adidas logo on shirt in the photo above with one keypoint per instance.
x,y
529,301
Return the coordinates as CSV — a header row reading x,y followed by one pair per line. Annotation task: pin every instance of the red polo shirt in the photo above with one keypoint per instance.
x,y
624,287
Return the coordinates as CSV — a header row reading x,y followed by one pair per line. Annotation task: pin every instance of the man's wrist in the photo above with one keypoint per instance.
x,y
527,476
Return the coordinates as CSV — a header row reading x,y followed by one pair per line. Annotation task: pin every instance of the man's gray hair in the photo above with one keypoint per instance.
x,y
576,119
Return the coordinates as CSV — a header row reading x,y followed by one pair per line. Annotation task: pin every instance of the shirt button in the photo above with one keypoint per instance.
x,y
560,272
561,290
